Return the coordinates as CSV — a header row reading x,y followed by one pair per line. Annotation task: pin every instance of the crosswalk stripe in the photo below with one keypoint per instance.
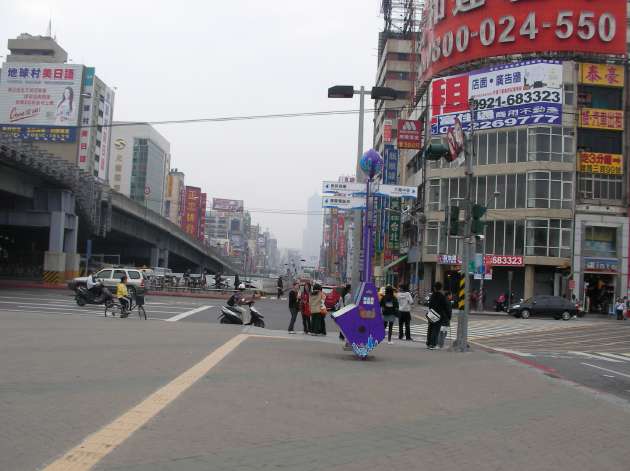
x,y
594,357
613,355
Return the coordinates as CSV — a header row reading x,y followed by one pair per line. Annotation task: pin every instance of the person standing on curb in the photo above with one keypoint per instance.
x,y
389,308
445,322
439,304
344,300
305,307
405,301
280,287
294,307
620,306
318,311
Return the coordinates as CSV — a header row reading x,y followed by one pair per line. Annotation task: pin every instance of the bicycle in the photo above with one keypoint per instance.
x,y
116,307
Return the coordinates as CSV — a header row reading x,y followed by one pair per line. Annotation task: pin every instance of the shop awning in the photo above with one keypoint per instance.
x,y
395,262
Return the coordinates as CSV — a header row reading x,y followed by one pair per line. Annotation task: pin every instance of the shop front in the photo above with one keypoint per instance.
x,y
601,258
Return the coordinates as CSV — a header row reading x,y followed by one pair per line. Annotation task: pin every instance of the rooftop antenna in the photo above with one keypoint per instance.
x,y
49,29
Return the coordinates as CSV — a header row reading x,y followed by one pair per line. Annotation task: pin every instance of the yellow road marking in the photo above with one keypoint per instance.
x,y
98,445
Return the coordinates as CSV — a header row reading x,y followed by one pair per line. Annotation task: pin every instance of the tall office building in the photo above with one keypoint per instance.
x,y
141,161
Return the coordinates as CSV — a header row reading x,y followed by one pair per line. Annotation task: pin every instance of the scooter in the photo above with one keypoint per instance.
x,y
234,315
84,296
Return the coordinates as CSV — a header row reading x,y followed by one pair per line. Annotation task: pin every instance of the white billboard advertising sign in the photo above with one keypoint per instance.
x,y
504,96
343,187
40,96
343,202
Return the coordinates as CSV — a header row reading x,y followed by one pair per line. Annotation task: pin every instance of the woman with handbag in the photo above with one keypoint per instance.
x,y
318,311
389,310
438,308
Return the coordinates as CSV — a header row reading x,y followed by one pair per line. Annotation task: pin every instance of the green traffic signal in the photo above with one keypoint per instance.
x,y
453,221
477,225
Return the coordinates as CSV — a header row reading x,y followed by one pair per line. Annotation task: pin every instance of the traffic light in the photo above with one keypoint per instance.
x,y
436,152
453,221
478,211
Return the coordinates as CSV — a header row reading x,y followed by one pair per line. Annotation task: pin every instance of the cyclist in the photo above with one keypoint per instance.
x,y
123,296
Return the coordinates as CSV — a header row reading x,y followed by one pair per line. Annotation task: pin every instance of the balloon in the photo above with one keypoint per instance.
x,y
371,163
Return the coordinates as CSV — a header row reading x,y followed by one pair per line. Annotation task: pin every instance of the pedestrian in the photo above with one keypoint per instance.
x,y
294,307
389,310
445,322
305,307
619,308
439,304
280,286
405,301
344,300
237,281
318,311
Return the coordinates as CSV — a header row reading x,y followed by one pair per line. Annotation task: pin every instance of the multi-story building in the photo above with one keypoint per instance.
x,y
140,164
174,198
61,107
544,113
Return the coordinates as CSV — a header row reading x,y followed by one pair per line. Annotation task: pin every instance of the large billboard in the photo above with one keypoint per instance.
x,y
410,134
221,204
503,96
460,31
36,98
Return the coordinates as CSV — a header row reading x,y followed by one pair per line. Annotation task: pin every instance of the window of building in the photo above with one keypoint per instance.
x,y
434,194
550,144
600,241
548,237
595,186
569,94
549,190
600,140
504,238
433,236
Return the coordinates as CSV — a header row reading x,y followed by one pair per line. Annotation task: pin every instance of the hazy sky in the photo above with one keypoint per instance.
x,y
199,59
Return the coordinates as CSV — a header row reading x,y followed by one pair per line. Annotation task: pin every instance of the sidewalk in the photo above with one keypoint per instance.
x,y
287,402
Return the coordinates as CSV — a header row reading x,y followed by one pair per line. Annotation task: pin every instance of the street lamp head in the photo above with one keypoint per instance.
x,y
383,93
341,91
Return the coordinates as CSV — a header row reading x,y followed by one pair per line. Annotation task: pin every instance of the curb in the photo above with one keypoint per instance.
x,y
187,295
32,285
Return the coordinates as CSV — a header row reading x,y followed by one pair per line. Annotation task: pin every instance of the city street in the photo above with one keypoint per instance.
x,y
82,392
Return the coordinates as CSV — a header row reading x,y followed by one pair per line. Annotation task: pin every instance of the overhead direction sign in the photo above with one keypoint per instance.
x,y
343,202
358,189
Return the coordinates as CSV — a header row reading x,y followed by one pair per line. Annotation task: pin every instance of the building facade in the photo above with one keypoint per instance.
x,y
61,107
140,164
544,115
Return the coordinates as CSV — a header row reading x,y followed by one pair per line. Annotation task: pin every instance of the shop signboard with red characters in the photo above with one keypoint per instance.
x,y
461,31
504,260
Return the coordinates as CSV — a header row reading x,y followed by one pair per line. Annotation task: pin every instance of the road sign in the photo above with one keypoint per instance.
x,y
343,187
343,202
358,189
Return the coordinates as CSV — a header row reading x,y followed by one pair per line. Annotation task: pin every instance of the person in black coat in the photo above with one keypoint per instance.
x,y
439,304
445,321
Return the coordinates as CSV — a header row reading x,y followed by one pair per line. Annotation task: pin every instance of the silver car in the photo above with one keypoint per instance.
x,y
110,277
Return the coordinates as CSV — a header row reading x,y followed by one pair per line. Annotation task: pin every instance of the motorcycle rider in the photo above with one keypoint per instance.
x,y
237,299
218,281
94,286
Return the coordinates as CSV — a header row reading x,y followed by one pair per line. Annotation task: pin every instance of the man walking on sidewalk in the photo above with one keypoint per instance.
x,y
439,304
280,287
405,301
294,306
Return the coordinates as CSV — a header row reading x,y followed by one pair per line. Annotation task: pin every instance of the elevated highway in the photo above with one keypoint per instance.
x,y
49,208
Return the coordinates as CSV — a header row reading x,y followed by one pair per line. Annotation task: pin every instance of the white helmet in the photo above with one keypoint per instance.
x,y
241,286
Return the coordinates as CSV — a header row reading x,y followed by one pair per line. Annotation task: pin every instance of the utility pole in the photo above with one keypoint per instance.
x,y
461,342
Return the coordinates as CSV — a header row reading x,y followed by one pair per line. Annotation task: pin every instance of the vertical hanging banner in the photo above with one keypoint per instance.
x,y
390,168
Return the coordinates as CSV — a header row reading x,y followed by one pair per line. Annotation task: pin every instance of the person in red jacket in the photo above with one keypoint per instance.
x,y
305,307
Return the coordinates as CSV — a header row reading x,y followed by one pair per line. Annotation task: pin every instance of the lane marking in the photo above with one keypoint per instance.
x,y
614,355
606,369
95,447
594,357
188,313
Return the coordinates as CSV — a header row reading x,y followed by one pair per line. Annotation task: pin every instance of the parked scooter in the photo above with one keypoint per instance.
x,y
234,315
84,296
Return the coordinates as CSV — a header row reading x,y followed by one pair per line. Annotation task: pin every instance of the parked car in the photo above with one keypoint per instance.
x,y
110,277
556,306
333,294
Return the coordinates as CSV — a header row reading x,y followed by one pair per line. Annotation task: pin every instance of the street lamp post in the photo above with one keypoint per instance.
x,y
376,93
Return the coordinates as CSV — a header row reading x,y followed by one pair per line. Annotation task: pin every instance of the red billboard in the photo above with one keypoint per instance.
x,y
410,134
460,31
193,221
